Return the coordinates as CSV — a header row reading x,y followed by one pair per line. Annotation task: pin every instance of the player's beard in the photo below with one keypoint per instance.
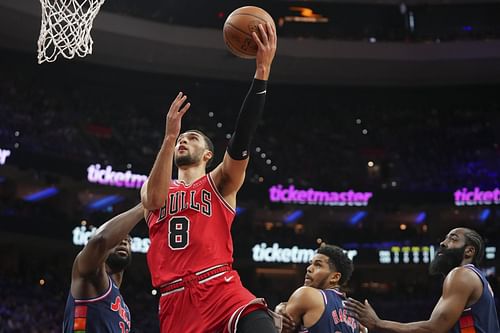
x,y
118,263
449,259
188,159
318,283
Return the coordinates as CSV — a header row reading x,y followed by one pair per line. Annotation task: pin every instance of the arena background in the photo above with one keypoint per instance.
x,y
397,102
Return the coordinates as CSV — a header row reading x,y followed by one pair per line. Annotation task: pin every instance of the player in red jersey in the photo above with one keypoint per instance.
x,y
190,219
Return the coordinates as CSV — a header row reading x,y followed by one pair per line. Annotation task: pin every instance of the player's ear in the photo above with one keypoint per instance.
x,y
335,277
470,252
207,156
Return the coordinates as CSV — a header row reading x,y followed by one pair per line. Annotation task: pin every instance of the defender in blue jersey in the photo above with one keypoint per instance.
x,y
466,305
94,303
318,306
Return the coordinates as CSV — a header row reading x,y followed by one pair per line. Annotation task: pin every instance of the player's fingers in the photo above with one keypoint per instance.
x,y
184,109
352,307
175,103
353,301
179,96
288,322
353,314
257,40
263,34
272,34
181,100
178,103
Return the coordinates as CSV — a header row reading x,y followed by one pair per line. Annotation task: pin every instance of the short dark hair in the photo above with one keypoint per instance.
x,y
338,261
473,238
209,144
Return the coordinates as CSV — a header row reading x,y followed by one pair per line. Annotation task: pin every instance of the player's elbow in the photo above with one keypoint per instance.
x,y
151,198
152,201
99,241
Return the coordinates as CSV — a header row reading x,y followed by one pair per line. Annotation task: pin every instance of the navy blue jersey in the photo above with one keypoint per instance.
x,y
334,319
481,317
104,314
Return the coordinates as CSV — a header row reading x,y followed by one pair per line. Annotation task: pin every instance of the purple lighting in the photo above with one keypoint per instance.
x,y
43,194
420,217
105,202
357,217
477,197
484,214
292,217
278,193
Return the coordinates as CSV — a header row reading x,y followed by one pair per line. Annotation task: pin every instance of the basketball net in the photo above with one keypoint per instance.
x,y
65,28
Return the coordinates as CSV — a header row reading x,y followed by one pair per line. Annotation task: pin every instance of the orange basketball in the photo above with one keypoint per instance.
x,y
238,30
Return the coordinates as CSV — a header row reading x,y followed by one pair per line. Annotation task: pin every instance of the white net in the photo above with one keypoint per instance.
x,y
65,29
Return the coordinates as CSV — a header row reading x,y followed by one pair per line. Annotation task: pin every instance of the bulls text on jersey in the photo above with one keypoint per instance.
x,y
181,200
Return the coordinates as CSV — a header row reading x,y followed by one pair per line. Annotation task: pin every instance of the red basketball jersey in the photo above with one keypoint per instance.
x,y
191,232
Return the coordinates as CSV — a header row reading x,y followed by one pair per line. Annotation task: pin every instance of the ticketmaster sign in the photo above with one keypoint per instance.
x,y
82,234
108,176
290,194
477,196
276,254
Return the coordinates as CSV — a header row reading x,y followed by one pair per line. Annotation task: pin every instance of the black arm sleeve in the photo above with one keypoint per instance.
x,y
248,118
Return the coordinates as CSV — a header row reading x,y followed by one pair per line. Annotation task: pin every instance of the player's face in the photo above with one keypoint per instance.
x,y
120,256
450,254
189,149
319,273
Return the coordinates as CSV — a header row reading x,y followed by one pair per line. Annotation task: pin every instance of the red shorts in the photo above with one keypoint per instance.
x,y
212,304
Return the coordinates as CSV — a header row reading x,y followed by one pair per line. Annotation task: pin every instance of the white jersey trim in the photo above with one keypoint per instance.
x,y
148,217
96,299
172,291
212,277
221,198
209,269
324,297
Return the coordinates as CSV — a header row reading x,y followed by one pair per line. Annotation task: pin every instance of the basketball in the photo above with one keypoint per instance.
x,y
238,30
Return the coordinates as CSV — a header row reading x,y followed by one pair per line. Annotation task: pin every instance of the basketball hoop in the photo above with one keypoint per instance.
x,y
65,28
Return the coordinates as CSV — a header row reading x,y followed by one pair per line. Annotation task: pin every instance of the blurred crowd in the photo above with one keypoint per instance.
x,y
429,139
415,22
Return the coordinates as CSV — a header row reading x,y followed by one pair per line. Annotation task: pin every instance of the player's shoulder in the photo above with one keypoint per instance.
x,y
307,293
307,298
462,278
462,272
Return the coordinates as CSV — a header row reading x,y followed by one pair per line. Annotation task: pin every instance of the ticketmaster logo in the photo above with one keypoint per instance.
x,y
114,178
263,253
312,197
477,197
82,234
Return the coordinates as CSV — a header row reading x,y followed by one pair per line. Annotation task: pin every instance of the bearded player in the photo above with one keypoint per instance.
x,y
466,305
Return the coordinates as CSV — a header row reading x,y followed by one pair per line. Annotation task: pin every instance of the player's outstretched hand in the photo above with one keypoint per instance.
x,y
174,116
266,49
363,312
